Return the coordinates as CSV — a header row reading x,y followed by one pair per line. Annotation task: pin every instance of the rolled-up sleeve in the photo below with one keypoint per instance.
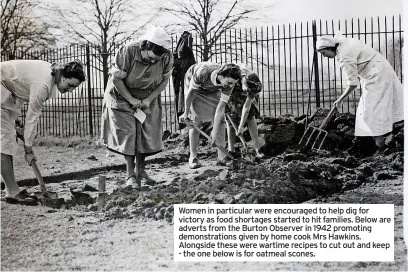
x,y
199,76
123,62
348,62
38,95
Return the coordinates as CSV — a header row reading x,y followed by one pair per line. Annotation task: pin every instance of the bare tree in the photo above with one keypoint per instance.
x,y
21,28
209,18
105,23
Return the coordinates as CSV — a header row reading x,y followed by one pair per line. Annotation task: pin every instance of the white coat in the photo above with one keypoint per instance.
x,y
382,100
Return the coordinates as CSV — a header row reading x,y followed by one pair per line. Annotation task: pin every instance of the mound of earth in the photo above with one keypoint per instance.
x,y
289,174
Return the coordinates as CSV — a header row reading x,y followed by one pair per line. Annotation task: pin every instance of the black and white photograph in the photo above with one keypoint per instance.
x,y
116,112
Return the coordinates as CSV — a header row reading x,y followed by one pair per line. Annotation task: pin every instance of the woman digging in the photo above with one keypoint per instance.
x,y
208,87
140,74
32,81
382,99
242,108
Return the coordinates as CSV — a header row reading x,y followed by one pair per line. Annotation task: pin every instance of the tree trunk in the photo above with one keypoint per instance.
x,y
105,69
105,55
206,52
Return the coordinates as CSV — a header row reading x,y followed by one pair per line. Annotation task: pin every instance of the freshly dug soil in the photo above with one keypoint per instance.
x,y
134,230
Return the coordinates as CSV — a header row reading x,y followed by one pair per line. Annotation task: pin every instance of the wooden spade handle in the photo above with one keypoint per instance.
x,y
236,130
35,169
209,138
327,119
38,176
192,124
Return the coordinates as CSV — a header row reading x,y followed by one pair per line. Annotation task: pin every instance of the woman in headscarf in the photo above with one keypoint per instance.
x,y
208,87
32,81
382,100
242,107
140,74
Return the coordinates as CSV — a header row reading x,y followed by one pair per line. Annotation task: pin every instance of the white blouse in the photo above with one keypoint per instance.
x,y
30,81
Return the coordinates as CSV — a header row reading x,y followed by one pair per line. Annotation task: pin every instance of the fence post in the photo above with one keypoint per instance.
x,y
88,72
316,64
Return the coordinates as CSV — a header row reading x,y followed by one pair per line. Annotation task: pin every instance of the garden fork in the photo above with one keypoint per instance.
x,y
318,134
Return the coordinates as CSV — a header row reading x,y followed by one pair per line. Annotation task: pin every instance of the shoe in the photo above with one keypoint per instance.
x,y
194,164
130,180
260,155
22,198
133,182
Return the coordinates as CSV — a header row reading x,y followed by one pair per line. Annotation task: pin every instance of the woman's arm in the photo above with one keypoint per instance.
x,y
191,93
122,90
347,92
348,62
38,96
123,62
159,88
218,118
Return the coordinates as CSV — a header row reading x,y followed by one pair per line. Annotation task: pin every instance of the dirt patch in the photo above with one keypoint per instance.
x,y
290,176
134,231
287,178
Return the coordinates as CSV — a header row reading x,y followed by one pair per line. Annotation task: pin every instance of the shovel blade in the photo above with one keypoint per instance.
x,y
49,195
49,199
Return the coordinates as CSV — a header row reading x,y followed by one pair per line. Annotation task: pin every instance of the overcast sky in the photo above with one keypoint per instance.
x,y
291,11
272,12
285,11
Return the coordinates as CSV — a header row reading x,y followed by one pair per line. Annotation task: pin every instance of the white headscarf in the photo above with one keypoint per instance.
x,y
158,36
328,41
